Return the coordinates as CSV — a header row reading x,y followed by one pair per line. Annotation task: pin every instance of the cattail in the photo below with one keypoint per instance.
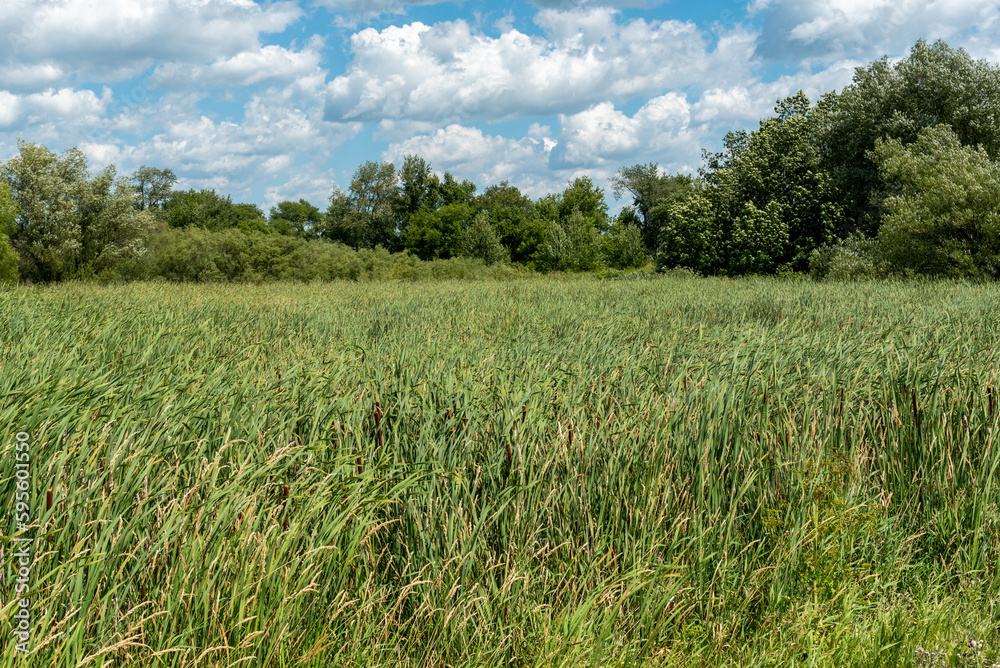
x,y
48,500
378,423
524,414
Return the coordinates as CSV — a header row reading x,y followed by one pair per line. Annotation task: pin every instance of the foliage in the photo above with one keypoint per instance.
x,y
856,258
773,201
438,233
513,216
299,218
197,255
584,197
942,216
153,187
570,245
367,217
933,85
70,224
9,258
649,188
691,236
481,241
759,240
210,211
622,245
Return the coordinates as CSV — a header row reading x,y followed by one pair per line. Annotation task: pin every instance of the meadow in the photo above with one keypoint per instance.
x,y
538,472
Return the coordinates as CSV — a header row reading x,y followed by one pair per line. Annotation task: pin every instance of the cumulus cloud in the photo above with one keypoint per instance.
x,y
831,30
269,64
469,153
122,38
448,72
64,108
603,134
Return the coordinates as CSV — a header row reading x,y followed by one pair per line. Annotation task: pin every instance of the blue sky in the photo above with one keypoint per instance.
x,y
267,101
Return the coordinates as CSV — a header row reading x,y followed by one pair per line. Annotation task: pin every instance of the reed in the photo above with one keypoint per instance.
x,y
667,472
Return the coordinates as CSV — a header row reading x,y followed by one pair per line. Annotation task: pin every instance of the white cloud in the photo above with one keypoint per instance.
x,y
448,72
603,135
269,64
20,77
64,108
485,159
831,30
119,39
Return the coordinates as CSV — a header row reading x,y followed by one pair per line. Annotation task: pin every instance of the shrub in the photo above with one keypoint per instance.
x,y
856,258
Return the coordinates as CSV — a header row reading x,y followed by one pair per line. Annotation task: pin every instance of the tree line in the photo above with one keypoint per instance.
x,y
898,174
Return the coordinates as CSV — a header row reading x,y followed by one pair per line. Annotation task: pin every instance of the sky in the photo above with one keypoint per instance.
x,y
273,101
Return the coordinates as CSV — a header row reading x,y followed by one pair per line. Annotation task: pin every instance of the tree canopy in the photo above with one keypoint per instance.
x,y
69,223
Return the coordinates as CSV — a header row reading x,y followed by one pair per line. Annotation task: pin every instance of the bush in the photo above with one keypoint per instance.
x,y
481,241
573,245
197,255
943,216
690,236
624,247
856,258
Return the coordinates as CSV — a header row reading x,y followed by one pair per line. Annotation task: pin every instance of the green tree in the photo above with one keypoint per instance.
x,y
211,211
152,187
691,236
419,187
511,214
759,240
438,234
772,199
586,198
297,218
454,192
942,213
9,258
374,196
482,242
623,246
572,244
933,85
70,224
649,187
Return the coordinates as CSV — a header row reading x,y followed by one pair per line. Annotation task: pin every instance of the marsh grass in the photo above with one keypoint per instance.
x,y
674,472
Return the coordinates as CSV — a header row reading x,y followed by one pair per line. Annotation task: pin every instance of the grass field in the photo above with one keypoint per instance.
x,y
674,472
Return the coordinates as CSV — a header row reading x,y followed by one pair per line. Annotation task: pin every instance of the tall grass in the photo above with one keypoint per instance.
x,y
534,473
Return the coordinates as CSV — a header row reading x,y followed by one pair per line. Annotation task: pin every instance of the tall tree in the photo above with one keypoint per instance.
x,y
210,210
942,213
649,187
419,186
71,224
772,199
374,197
438,234
510,212
583,196
152,187
297,218
933,85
